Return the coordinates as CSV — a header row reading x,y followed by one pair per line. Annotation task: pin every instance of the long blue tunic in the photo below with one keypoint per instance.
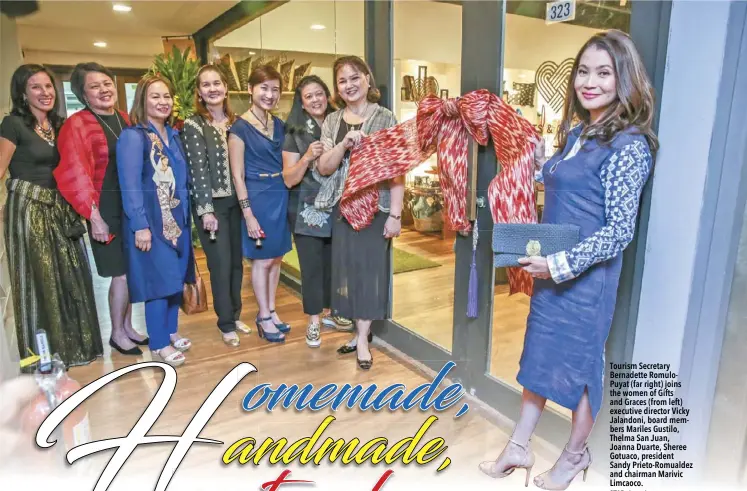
x,y
597,188
268,195
162,271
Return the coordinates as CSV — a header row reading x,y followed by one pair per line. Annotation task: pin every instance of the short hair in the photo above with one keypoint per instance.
x,y
78,78
357,64
263,73
138,114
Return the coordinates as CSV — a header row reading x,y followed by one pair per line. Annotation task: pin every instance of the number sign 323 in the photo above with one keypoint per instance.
x,y
561,11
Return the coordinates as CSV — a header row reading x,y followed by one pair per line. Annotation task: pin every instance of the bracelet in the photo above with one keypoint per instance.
x,y
244,203
396,217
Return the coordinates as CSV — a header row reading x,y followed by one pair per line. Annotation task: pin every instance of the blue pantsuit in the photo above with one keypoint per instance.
x,y
154,181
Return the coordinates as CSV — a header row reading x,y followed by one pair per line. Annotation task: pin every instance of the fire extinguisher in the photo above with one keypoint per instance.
x,y
55,386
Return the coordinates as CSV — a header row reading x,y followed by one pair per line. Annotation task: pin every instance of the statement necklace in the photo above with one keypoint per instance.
x,y
46,134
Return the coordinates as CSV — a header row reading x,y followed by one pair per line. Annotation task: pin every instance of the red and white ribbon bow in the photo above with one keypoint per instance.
x,y
395,151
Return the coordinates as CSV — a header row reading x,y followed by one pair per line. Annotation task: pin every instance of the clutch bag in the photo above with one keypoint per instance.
x,y
512,241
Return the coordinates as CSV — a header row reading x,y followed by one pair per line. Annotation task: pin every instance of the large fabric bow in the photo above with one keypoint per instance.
x,y
395,151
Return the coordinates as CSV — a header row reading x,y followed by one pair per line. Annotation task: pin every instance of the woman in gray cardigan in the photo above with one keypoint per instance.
x,y
360,259
215,208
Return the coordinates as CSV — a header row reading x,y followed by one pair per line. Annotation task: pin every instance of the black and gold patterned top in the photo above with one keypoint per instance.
x,y
206,146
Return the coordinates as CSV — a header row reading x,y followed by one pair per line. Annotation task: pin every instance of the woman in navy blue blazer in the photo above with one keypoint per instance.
x,y
156,228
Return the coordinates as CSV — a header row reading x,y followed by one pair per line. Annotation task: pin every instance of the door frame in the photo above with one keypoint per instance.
x,y
483,25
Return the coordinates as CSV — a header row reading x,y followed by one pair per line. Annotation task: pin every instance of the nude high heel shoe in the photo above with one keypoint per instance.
x,y
544,481
514,456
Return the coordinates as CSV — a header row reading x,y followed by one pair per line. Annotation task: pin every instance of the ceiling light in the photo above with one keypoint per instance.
x,y
318,27
252,53
100,44
120,7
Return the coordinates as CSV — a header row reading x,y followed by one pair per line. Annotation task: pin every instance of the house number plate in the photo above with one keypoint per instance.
x,y
561,11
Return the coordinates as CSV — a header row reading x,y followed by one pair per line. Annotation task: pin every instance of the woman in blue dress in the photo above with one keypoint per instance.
x,y
156,226
595,182
255,149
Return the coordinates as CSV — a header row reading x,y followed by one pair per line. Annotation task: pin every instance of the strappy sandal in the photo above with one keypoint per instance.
x,y
512,458
182,344
175,359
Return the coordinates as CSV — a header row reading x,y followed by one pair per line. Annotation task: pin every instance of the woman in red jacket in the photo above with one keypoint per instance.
x,y
87,179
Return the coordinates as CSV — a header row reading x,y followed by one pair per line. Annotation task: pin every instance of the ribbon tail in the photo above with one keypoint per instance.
x,y
472,292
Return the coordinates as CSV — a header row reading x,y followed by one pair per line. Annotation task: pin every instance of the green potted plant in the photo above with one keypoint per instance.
x,y
179,69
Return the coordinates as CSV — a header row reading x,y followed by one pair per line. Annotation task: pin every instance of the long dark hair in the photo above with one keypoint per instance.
x,y
200,107
298,117
634,106
21,108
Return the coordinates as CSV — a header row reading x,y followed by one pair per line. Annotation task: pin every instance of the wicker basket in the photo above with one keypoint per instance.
x,y
434,223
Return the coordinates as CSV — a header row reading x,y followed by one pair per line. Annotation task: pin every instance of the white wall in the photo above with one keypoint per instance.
x,y
287,28
72,59
685,133
10,59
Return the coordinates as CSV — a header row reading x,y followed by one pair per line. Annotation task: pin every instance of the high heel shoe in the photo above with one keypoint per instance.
x,y
132,351
544,481
346,348
282,326
273,337
514,456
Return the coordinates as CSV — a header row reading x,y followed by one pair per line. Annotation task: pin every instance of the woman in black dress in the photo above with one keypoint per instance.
x,y
50,277
87,179
361,260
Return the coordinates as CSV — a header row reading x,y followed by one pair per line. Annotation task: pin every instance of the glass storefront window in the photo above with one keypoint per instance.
x,y
537,62
72,104
425,63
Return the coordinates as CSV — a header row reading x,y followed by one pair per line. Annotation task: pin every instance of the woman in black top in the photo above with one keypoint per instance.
x,y
50,277
312,228
214,204
87,179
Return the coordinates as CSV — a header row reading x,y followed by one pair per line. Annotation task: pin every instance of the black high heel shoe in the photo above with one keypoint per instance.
x,y
132,351
346,348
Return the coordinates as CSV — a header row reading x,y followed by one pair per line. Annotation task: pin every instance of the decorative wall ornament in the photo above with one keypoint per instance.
x,y
416,89
552,82
523,95
300,72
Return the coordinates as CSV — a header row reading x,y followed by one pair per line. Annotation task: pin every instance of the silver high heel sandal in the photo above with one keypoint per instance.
x,y
513,457
543,481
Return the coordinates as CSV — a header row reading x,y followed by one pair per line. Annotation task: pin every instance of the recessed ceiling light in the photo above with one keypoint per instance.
x,y
252,53
100,44
120,7
318,27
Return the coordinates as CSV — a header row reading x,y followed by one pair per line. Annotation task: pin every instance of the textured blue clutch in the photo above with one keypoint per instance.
x,y
512,241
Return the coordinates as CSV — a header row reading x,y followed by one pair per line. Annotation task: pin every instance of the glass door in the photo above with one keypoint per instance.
x,y
424,256
535,59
